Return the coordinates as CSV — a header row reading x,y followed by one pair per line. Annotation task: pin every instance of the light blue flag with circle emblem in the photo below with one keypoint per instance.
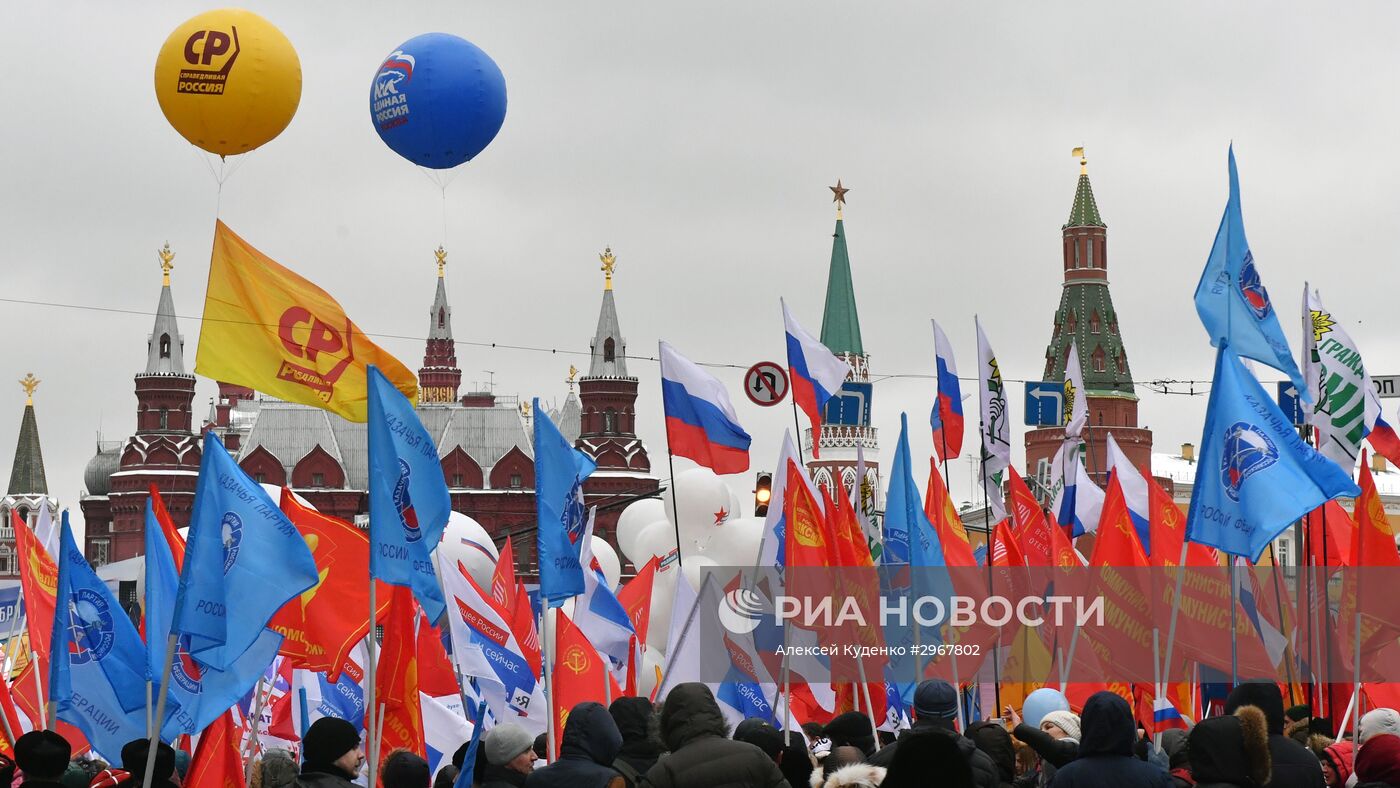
x,y
408,499
559,473
1255,476
97,676
196,694
1231,299
243,560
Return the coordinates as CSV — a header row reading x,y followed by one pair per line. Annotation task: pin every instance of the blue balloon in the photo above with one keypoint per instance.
x,y
1040,703
438,100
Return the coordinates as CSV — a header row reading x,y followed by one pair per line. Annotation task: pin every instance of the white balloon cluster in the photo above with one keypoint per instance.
x,y
712,535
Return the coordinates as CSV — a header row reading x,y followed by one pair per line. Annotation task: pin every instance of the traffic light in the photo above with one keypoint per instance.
x,y
762,493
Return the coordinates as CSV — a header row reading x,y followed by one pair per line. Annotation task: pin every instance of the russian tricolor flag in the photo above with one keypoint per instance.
x,y
700,420
816,373
1134,492
947,416
1165,715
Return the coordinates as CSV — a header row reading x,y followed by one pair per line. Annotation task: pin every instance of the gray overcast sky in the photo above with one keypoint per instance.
x,y
698,140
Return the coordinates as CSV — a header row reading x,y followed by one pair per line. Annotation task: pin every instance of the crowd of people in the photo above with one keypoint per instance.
x,y
686,743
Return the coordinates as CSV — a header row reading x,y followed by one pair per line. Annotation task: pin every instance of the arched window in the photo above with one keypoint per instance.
x,y
164,419
609,420
7,561
1070,322
1100,360
442,317
1122,361
1095,325
609,350
165,346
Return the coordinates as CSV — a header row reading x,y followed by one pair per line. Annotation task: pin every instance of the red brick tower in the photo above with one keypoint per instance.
x,y
1087,318
439,377
165,450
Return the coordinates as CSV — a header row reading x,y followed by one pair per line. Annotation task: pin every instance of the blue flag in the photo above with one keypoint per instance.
x,y
196,694
904,513
244,559
97,675
559,473
466,775
408,499
1255,476
1231,299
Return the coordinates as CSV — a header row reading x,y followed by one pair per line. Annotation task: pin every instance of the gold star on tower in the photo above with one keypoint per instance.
x,y
838,196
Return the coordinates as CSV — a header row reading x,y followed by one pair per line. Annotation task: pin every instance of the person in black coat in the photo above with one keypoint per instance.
x,y
992,738
1230,751
1293,766
851,729
935,709
925,759
42,756
693,729
590,745
1106,756
639,751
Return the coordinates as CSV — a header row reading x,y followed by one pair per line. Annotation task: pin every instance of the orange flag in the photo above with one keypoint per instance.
x,y
167,527
218,760
580,674
635,597
38,580
938,506
396,680
269,329
806,539
436,676
320,627
522,625
1374,542
1329,529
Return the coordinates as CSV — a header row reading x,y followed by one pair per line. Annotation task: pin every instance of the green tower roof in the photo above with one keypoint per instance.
x,y
1084,212
840,323
27,474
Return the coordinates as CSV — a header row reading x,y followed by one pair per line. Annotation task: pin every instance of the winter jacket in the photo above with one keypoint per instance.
x,y
590,744
1379,760
693,729
1106,750
639,752
1056,752
500,777
984,771
992,739
1178,757
1230,751
1294,766
322,780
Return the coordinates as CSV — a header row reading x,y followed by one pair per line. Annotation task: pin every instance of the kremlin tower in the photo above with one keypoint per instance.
x,y
1087,318
846,434
164,451
28,492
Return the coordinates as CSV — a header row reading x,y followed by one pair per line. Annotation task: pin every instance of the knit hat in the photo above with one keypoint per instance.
x,y
1379,760
327,739
851,728
936,698
42,755
1066,721
1301,711
404,768
505,742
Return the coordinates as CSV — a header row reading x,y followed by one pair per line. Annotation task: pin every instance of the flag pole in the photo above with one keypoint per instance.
x,y
547,643
1234,624
671,467
991,588
1326,611
1278,601
869,704
154,743
255,719
369,683
1356,645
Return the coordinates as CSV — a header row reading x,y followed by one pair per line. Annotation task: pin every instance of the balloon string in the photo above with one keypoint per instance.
x,y
443,190
219,194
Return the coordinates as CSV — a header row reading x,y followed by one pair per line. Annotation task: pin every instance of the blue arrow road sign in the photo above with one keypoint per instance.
x,y
1045,403
1289,403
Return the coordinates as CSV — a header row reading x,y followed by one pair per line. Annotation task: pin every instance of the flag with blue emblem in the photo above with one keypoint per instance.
x,y
196,694
97,670
909,536
1255,476
408,499
1231,299
244,560
559,473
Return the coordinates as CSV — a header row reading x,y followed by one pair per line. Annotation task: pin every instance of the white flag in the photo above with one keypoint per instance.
x,y
996,425
1346,405
1076,413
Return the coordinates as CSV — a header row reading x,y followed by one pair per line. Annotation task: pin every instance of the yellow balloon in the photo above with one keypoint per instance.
x,y
228,81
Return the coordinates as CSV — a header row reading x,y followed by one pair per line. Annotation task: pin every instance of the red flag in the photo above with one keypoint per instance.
x,y
1117,542
938,507
522,625
1005,551
1329,533
436,676
503,577
1374,543
1168,527
580,674
38,579
24,690
1024,510
635,597
396,680
218,761
321,626
7,707
167,527
806,539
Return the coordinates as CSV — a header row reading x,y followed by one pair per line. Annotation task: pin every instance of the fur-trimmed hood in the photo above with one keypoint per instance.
x,y
1231,750
856,775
